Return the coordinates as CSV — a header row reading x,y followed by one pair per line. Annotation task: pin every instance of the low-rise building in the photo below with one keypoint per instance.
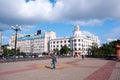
x,y
79,42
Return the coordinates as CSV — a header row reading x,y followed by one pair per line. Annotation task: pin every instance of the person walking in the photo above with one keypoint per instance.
x,y
54,61
83,55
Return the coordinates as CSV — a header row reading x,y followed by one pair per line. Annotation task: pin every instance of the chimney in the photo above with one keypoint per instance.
x,y
39,32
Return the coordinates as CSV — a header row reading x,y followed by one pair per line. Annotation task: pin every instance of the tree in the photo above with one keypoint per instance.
x,y
94,45
64,50
94,49
18,52
7,51
56,51
106,50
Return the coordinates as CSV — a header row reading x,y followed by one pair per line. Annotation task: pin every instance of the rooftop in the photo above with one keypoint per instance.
x,y
27,37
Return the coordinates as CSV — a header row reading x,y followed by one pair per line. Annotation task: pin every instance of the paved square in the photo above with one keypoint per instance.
x,y
67,69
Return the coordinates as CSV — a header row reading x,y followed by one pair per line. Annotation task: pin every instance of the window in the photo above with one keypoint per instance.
x,y
65,41
75,44
74,40
69,45
69,41
75,48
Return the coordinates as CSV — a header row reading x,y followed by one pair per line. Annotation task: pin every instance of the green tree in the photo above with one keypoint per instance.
x,y
94,49
106,50
5,51
64,50
94,45
18,52
56,51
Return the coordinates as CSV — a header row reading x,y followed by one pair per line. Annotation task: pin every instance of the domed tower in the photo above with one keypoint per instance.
x,y
76,32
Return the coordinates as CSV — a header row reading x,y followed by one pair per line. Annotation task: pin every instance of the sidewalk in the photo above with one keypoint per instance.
x,y
67,69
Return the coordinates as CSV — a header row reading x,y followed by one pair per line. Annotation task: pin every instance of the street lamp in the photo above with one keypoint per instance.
x,y
16,28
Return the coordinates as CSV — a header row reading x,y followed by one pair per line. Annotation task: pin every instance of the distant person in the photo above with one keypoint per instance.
x,y
75,55
83,55
54,61
4,59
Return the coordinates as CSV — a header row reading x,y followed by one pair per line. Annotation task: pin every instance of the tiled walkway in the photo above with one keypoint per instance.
x,y
67,69
102,73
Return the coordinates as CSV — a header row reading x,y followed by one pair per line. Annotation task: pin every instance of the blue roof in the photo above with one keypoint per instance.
x,y
31,37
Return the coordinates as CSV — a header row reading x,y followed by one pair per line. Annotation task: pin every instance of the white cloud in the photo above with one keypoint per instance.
x,y
36,9
91,22
22,27
110,39
86,12
91,9
27,27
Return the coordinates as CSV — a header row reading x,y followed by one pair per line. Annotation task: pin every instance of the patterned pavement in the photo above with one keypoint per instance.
x,y
67,69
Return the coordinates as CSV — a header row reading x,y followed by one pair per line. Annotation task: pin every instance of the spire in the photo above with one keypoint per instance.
x,y
76,31
77,28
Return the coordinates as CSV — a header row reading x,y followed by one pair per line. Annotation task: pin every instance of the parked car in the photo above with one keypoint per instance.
x,y
39,55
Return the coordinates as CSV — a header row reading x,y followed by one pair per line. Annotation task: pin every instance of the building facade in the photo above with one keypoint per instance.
x,y
79,42
12,40
47,42
35,43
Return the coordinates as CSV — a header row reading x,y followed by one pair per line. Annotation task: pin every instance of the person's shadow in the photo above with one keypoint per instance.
x,y
49,67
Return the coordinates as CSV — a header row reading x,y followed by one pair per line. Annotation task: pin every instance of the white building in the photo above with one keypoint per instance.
x,y
12,40
35,43
81,41
47,42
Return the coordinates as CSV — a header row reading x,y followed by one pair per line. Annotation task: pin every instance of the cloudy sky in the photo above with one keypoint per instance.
x,y
100,17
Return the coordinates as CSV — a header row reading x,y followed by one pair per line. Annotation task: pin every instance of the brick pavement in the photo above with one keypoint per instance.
x,y
103,73
67,69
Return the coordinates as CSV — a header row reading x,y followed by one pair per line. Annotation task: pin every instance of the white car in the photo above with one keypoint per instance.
x,y
39,55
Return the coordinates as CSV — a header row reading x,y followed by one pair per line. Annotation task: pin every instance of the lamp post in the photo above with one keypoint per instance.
x,y
16,28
